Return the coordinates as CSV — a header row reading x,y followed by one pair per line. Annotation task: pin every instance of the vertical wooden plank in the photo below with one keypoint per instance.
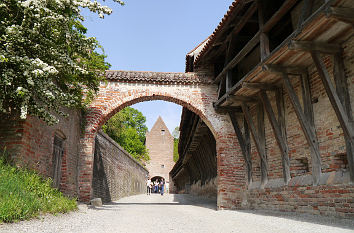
x,y
221,88
228,57
278,135
244,144
264,40
228,80
259,142
343,94
307,129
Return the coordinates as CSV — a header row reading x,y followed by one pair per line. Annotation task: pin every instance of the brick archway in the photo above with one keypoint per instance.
x,y
125,88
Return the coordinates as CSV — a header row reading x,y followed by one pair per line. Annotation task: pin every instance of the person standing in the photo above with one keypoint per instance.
x,y
148,186
156,186
162,186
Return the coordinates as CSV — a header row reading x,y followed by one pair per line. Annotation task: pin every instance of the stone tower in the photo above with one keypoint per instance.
x,y
159,142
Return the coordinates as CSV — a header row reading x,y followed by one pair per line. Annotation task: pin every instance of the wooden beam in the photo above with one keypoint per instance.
x,y
337,105
305,12
238,27
263,39
228,56
221,88
343,94
308,130
309,114
310,46
344,14
244,19
279,99
244,144
278,69
233,109
259,139
259,86
238,98
244,51
287,5
284,150
333,97
221,34
262,142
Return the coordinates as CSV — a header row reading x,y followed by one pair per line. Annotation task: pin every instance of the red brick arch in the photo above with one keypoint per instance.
x,y
197,97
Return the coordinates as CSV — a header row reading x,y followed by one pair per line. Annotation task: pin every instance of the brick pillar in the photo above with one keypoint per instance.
x,y
85,173
231,172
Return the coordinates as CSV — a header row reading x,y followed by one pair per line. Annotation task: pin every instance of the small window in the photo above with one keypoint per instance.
x,y
162,132
162,165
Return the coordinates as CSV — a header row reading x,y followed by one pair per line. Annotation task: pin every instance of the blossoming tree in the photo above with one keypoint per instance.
x,y
46,61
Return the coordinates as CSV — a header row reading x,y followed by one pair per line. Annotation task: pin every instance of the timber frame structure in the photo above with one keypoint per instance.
x,y
285,77
269,45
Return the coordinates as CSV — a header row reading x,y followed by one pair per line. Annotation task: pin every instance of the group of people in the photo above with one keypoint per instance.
x,y
156,186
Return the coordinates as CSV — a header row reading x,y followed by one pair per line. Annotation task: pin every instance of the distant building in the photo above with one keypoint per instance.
x,y
159,142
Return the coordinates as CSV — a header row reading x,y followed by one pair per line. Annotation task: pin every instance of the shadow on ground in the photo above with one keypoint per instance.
x,y
303,217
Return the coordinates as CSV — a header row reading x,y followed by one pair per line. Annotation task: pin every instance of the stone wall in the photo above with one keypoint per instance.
x,y
30,144
115,173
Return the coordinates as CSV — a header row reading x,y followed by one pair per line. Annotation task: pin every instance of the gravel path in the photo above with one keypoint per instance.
x,y
176,213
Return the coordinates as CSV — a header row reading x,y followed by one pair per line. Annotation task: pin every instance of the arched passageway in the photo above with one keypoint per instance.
x,y
196,93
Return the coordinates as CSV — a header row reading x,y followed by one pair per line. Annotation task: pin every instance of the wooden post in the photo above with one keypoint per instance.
x,y
221,88
279,96
259,138
333,97
264,40
343,94
308,130
339,100
245,144
278,133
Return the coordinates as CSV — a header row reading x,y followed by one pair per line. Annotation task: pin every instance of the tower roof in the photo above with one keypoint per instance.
x,y
160,124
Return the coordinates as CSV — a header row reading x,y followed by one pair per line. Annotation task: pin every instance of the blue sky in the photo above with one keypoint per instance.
x,y
155,36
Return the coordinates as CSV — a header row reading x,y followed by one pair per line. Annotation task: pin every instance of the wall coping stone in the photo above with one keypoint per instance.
x,y
157,77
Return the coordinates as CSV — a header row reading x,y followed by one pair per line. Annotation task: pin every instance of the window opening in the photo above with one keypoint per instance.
x,y
58,152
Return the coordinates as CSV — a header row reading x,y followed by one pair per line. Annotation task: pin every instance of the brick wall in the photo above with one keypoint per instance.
x,y
30,143
118,93
159,143
334,196
115,173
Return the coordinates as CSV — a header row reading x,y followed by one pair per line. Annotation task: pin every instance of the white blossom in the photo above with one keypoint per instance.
x,y
39,49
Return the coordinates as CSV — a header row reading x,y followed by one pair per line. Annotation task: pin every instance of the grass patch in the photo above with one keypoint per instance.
x,y
24,195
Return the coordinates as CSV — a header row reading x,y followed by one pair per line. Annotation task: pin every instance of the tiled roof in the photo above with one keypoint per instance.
x,y
194,53
214,35
157,77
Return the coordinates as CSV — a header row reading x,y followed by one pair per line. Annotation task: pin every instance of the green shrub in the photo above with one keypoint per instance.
x,y
24,194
